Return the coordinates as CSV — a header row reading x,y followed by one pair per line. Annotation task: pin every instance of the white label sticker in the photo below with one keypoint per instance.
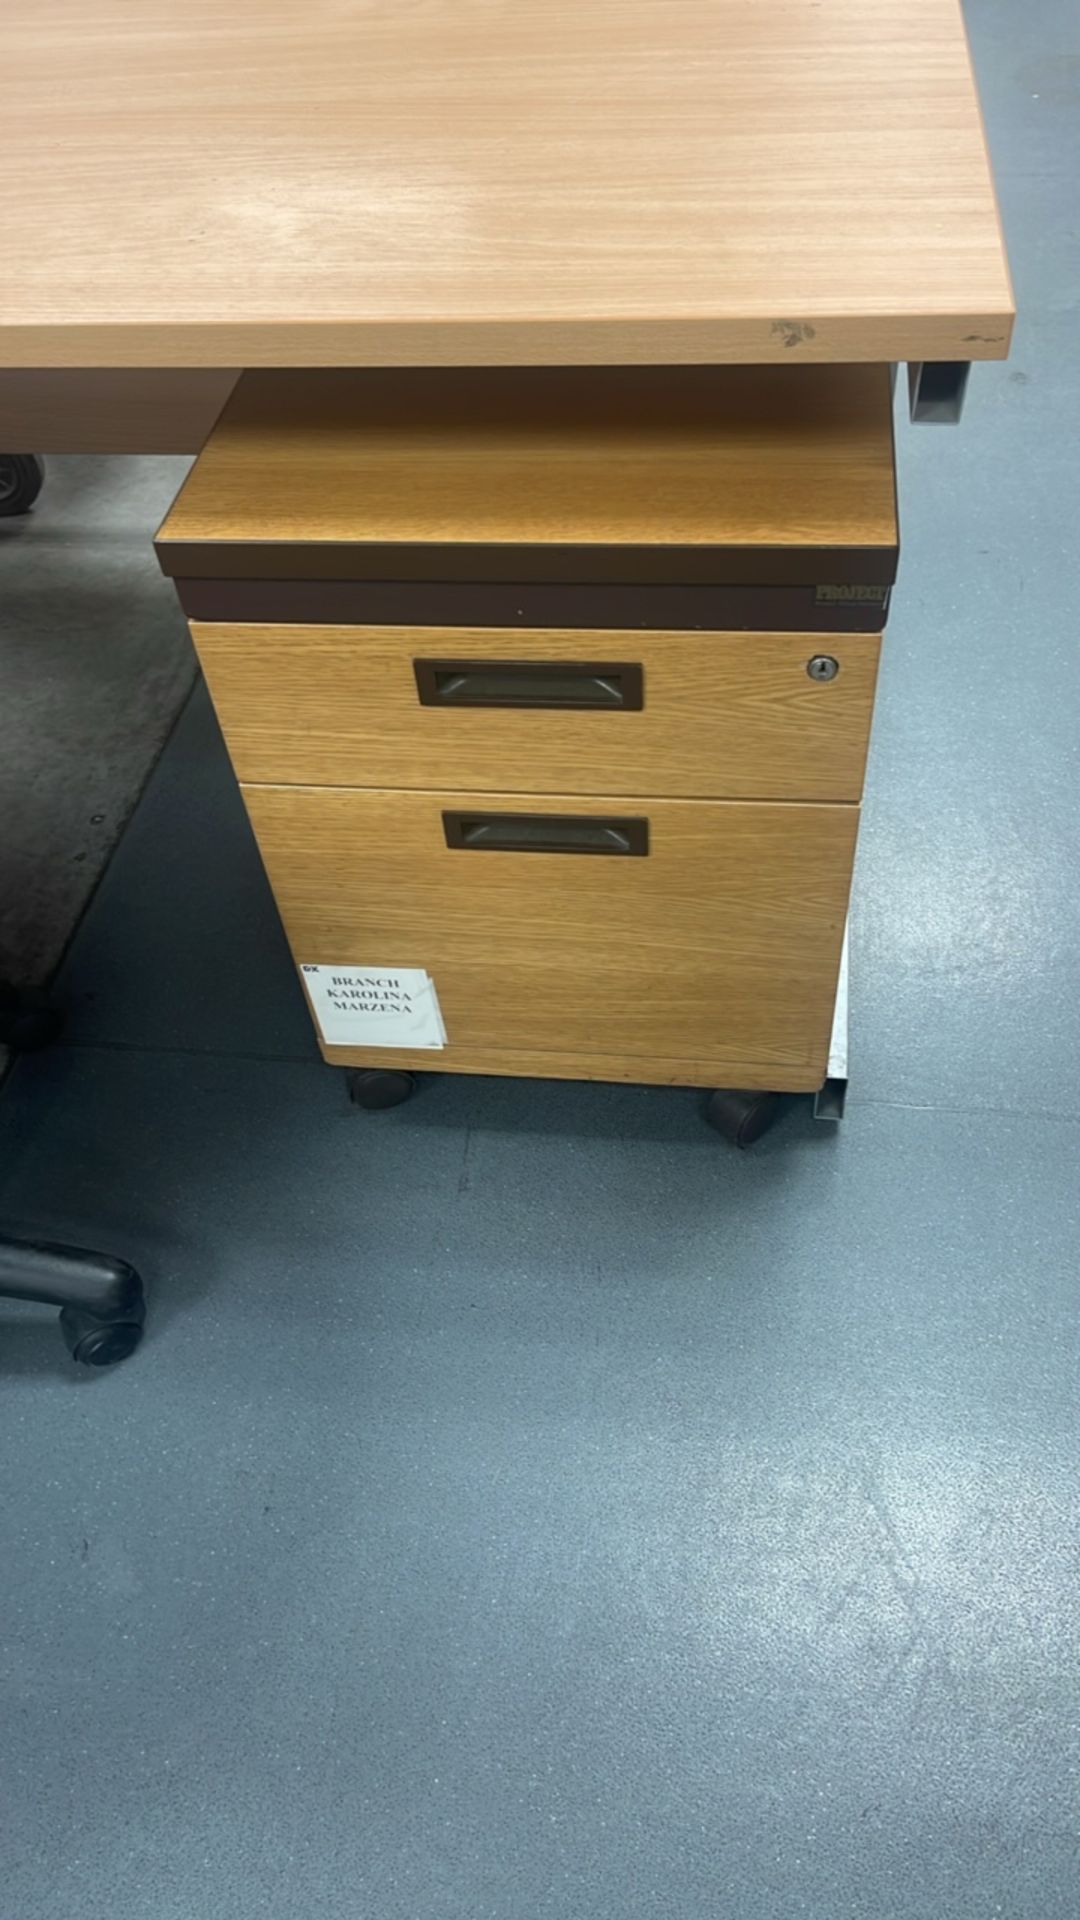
x,y
375,1006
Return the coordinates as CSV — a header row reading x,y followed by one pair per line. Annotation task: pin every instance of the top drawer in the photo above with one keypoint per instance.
x,y
733,479
717,715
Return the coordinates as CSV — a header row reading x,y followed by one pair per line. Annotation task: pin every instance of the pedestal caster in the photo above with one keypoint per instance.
x,y
743,1116
378,1087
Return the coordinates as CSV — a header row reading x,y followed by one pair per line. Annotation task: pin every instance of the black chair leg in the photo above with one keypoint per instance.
x,y
101,1302
28,1021
21,478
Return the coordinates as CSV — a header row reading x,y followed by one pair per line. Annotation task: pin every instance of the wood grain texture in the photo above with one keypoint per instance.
x,y
349,182
528,473
726,715
721,946
111,409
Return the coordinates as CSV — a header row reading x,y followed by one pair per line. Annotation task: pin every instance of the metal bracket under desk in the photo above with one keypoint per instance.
x,y
936,390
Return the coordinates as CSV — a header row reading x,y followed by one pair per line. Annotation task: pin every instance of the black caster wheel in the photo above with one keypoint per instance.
x,y
742,1117
378,1087
98,1343
21,478
27,1021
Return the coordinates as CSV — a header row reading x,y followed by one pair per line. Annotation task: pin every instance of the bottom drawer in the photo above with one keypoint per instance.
x,y
557,946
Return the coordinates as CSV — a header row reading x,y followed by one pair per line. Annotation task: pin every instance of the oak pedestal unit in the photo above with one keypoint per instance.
x,y
549,694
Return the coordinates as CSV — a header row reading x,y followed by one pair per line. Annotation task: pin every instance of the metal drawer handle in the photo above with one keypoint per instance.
x,y
545,833
609,685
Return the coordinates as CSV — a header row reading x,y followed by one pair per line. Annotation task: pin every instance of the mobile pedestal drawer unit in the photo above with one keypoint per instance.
x,y
549,694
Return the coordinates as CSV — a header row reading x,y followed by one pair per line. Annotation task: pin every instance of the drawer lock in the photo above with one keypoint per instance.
x,y
823,666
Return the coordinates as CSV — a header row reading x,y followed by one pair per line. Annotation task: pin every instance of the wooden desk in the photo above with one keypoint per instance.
x,y
479,183
330,183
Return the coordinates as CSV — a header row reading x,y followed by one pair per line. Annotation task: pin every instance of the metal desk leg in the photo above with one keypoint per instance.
x,y
829,1100
742,1116
936,390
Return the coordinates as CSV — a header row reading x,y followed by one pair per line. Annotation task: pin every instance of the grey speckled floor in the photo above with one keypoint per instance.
x,y
522,1506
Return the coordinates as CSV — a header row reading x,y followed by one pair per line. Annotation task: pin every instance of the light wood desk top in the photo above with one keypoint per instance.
x,y
349,182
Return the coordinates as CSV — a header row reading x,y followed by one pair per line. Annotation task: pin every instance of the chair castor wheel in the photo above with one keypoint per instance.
x,y
376,1088
27,1021
98,1343
743,1116
21,478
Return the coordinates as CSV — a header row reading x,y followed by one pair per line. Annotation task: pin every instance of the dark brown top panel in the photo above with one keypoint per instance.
x,y
444,604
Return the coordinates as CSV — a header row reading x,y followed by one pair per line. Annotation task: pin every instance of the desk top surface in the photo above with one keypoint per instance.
x,y
350,182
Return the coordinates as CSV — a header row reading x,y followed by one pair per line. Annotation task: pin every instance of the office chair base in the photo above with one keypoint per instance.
x,y
21,478
28,1021
101,1302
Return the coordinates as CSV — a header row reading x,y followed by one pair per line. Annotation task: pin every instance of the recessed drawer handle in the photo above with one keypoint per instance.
x,y
545,833
609,685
